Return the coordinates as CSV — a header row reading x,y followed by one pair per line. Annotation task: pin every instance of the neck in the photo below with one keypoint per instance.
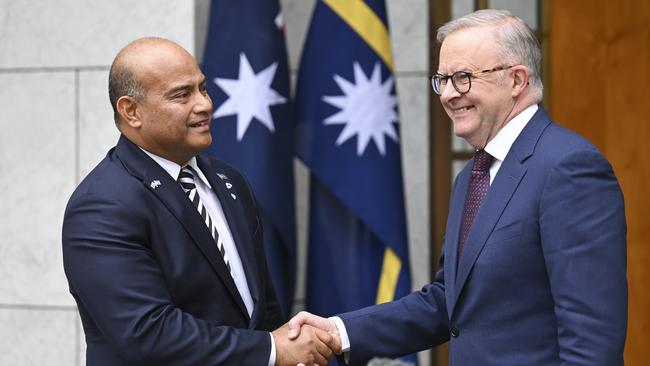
x,y
519,106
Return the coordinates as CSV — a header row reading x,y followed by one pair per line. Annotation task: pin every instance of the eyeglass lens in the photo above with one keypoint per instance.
x,y
461,81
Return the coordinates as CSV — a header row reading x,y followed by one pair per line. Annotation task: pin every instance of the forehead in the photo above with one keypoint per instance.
x,y
468,49
170,67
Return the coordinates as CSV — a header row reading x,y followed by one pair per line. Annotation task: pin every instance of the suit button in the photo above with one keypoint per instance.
x,y
454,332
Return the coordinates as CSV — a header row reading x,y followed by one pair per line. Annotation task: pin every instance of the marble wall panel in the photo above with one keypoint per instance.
x,y
97,130
70,33
35,337
297,17
413,92
201,23
302,181
37,165
81,342
408,22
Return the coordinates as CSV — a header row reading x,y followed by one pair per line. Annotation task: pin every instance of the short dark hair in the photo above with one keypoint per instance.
x,y
122,81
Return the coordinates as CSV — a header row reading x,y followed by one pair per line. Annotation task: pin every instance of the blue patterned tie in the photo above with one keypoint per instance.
x,y
478,187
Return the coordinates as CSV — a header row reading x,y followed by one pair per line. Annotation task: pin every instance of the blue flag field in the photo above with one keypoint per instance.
x,y
245,63
348,136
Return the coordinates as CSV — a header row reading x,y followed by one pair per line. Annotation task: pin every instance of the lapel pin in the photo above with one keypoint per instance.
x,y
155,184
222,176
233,196
228,185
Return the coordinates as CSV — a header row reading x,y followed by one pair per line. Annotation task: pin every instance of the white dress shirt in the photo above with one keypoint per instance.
x,y
498,147
211,202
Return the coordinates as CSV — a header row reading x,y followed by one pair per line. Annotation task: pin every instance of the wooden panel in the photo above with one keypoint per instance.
x,y
600,87
440,168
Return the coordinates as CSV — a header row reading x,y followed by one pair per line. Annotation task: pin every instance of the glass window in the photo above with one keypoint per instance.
x,y
459,144
456,166
461,7
525,9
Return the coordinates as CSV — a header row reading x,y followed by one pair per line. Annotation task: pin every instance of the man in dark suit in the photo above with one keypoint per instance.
x,y
162,246
533,269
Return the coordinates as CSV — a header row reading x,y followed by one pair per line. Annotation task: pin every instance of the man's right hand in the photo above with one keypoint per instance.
x,y
305,320
311,347
298,323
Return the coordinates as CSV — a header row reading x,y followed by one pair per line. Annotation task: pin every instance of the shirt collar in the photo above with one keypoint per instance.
x,y
174,169
500,145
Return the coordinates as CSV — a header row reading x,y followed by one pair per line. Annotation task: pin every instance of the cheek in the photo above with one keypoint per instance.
x,y
176,128
174,122
209,100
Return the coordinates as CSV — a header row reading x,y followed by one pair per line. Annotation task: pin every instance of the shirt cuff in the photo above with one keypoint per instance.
x,y
345,340
272,355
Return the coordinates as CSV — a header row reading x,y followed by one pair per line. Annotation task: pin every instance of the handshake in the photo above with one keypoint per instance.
x,y
306,340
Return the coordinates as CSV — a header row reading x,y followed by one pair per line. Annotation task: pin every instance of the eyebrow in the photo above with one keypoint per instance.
x,y
177,89
464,69
184,87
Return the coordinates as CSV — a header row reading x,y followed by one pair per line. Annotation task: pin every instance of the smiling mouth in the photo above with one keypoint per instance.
x,y
200,124
463,109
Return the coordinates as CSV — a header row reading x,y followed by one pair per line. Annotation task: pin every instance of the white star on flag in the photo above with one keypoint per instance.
x,y
249,96
367,109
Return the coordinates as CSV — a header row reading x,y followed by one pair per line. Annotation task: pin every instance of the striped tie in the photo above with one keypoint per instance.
x,y
186,179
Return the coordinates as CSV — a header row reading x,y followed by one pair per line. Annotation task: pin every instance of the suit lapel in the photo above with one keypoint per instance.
x,y
508,178
501,190
169,192
453,234
229,198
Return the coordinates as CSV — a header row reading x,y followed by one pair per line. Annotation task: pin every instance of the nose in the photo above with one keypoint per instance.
x,y
203,103
448,92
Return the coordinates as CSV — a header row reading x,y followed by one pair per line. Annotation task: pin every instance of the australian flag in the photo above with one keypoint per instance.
x,y
245,63
348,136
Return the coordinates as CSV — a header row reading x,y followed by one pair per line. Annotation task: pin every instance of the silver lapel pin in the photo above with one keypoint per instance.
x,y
155,184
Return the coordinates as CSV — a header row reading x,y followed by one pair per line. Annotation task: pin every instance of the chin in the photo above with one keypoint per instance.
x,y
201,148
204,143
466,127
461,130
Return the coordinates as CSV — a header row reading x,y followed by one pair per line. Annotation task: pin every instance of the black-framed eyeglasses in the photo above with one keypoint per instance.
x,y
461,80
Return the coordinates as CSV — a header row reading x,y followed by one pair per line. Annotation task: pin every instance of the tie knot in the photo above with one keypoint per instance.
x,y
482,161
186,178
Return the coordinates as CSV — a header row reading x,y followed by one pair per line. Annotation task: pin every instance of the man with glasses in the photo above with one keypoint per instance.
x,y
533,269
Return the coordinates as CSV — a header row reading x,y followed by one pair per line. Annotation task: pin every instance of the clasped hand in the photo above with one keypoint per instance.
x,y
306,340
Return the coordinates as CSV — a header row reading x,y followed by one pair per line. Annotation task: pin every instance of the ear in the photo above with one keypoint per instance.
x,y
520,80
127,108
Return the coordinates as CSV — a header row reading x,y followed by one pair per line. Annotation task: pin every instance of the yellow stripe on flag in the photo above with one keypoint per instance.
x,y
389,275
367,24
373,31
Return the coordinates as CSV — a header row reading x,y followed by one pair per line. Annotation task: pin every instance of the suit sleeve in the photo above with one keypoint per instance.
x,y
413,323
274,317
583,235
120,287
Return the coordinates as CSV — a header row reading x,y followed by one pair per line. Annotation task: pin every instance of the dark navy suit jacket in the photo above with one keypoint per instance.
x,y
149,282
542,276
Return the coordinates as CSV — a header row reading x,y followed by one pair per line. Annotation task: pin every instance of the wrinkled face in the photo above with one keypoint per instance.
x,y
479,114
176,111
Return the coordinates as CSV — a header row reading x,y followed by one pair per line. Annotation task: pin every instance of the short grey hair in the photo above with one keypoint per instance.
x,y
516,41
123,82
